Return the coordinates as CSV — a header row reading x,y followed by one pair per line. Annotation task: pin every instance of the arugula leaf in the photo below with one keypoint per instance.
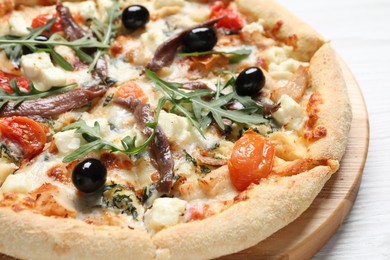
x,y
234,56
13,45
206,105
105,32
19,96
96,141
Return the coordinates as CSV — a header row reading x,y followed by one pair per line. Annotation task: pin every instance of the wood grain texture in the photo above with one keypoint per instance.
x,y
306,236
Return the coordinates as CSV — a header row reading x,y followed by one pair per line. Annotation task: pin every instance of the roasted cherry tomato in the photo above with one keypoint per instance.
x,y
232,20
251,160
5,78
42,19
28,134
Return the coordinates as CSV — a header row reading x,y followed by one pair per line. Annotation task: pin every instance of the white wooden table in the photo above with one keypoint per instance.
x,y
359,31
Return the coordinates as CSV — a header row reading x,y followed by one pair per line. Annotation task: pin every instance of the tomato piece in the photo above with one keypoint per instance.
x,y
131,89
5,79
232,21
251,160
42,19
4,83
28,134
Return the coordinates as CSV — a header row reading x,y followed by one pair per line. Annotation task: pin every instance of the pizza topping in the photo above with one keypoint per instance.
x,y
165,212
41,38
6,168
120,198
234,56
72,30
166,52
250,81
208,106
7,83
159,148
199,39
43,19
28,134
296,86
290,114
41,71
232,20
50,106
12,45
134,17
89,175
251,160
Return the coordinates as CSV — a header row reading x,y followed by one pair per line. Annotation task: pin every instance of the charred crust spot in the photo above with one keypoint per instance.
x,y
313,132
241,197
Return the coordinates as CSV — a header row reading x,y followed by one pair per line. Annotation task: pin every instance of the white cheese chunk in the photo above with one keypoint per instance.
x,y
67,141
154,35
86,9
18,25
17,183
254,27
164,3
39,68
166,212
6,168
177,129
290,114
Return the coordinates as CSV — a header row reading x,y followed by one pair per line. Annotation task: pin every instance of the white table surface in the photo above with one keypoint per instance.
x,y
359,31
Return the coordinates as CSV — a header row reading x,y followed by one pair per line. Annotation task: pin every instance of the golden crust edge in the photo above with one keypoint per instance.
x,y
335,114
24,232
309,41
272,204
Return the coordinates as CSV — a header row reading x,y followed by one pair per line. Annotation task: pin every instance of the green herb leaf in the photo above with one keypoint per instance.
x,y
60,60
206,105
105,32
234,56
12,45
96,142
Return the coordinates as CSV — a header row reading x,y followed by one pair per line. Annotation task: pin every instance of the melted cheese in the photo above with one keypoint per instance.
x,y
290,114
165,212
6,168
39,68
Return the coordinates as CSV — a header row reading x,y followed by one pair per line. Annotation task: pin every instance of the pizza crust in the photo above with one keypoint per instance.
x,y
335,112
24,232
309,41
272,204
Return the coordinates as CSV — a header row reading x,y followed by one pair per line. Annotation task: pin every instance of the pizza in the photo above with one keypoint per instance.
x,y
161,129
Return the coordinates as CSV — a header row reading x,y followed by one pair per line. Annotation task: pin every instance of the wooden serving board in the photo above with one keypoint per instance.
x,y
308,234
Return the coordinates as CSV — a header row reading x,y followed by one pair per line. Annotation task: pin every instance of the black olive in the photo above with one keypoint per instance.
x,y
250,81
135,16
41,38
89,175
199,39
